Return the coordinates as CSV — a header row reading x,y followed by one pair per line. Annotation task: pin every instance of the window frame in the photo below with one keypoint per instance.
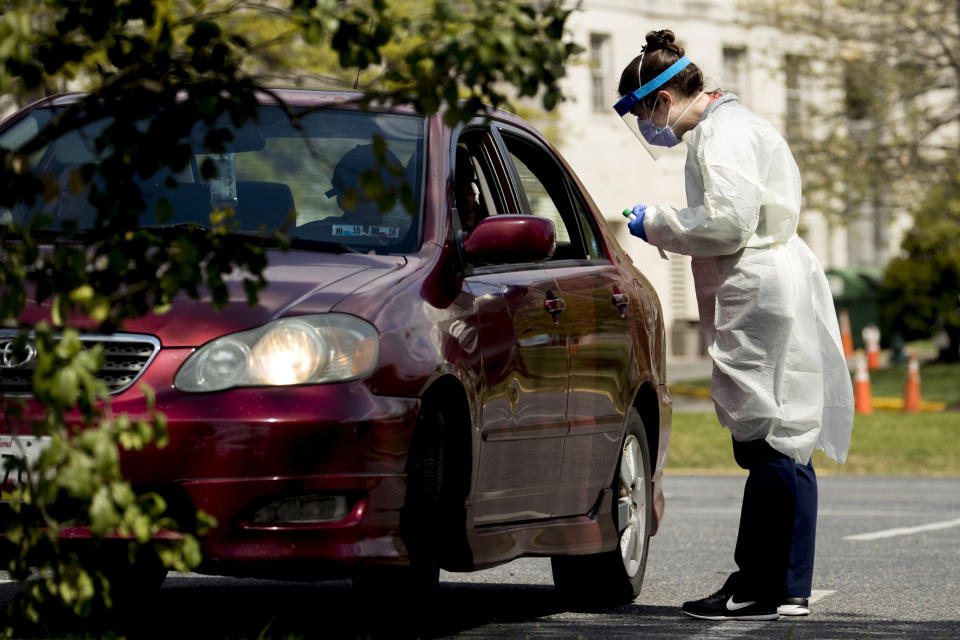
x,y
573,215
601,71
489,161
735,62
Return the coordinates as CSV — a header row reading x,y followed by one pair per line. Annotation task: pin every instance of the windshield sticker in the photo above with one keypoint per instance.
x,y
384,232
359,231
348,230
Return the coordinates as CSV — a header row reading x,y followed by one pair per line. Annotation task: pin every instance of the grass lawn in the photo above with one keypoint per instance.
x,y
938,383
886,442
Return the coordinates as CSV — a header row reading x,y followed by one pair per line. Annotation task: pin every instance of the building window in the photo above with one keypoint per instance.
x,y
600,72
735,72
859,95
798,80
795,78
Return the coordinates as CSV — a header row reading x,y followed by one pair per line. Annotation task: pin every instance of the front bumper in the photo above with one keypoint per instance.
x,y
231,452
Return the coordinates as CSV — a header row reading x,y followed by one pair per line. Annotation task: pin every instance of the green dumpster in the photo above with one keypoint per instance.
x,y
857,290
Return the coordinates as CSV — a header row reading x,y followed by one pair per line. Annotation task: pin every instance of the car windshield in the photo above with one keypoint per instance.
x,y
311,178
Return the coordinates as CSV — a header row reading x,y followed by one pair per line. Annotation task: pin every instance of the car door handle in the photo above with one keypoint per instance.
x,y
554,306
621,302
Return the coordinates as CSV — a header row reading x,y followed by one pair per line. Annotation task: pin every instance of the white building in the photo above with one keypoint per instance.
x,y
734,56
617,171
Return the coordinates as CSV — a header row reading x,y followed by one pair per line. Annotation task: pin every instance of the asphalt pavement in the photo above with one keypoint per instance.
x,y
888,550
887,557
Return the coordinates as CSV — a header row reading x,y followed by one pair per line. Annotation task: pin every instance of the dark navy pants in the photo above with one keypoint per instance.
x,y
778,524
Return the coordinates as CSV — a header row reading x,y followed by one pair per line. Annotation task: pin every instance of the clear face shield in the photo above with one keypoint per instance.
x,y
629,108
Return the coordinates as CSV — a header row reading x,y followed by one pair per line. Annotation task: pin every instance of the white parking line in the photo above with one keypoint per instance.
x,y
841,513
905,531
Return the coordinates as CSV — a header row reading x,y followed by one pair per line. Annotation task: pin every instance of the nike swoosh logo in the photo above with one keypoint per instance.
x,y
736,606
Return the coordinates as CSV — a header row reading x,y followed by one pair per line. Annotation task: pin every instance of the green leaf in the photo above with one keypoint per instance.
x,y
164,210
350,198
104,516
66,387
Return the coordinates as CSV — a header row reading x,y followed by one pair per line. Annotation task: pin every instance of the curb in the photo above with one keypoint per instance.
x,y
896,404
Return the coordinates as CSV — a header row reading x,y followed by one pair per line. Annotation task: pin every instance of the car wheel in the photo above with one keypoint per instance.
x,y
421,519
615,577
411,591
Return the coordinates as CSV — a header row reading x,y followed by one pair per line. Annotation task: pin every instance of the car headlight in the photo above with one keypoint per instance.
x,y
299,350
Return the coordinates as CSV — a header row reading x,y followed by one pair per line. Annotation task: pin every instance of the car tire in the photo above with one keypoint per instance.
x,y
616,576
421,519
428,527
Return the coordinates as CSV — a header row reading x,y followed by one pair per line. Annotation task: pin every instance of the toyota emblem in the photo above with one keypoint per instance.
x,y
11,358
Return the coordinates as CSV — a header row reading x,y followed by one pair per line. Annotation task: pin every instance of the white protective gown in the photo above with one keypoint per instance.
x,y
766,309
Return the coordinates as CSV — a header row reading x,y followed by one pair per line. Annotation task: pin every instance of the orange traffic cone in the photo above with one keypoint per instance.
x,y
871,342
911,388
862,398
846,334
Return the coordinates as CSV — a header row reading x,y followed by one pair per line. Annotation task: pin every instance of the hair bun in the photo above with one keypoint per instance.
x,y
663,39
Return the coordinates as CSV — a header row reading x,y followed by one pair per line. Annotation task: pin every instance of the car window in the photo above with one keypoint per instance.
x,y
325,176
332,178
478,178
538,199
591,237
544,186
472,195
22,131
14,137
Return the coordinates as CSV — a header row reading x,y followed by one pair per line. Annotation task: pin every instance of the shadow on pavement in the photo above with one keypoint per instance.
x,y
211,608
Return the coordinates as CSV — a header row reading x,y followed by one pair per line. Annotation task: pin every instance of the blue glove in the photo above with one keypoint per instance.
x,y
636,221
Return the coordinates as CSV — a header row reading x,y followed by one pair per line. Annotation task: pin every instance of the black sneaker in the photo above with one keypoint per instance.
x,y
724,605
794,607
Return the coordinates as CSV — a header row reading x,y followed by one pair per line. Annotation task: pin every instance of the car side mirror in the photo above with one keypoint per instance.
x,y
506,238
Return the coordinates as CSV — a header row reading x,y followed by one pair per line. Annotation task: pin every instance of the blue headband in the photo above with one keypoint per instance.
x,y
627,102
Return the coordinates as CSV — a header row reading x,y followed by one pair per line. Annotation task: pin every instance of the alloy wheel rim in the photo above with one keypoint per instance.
x,y
632,539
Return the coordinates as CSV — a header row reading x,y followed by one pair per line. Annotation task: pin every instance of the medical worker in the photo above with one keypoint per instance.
x,y
780,381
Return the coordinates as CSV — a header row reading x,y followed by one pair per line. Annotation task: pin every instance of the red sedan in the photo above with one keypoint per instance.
x,y
456,383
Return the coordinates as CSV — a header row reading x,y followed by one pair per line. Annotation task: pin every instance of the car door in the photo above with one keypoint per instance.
x,y
522,338
597,314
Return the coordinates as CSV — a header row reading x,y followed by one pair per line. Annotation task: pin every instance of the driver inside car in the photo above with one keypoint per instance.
x,y
466,192
362,216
